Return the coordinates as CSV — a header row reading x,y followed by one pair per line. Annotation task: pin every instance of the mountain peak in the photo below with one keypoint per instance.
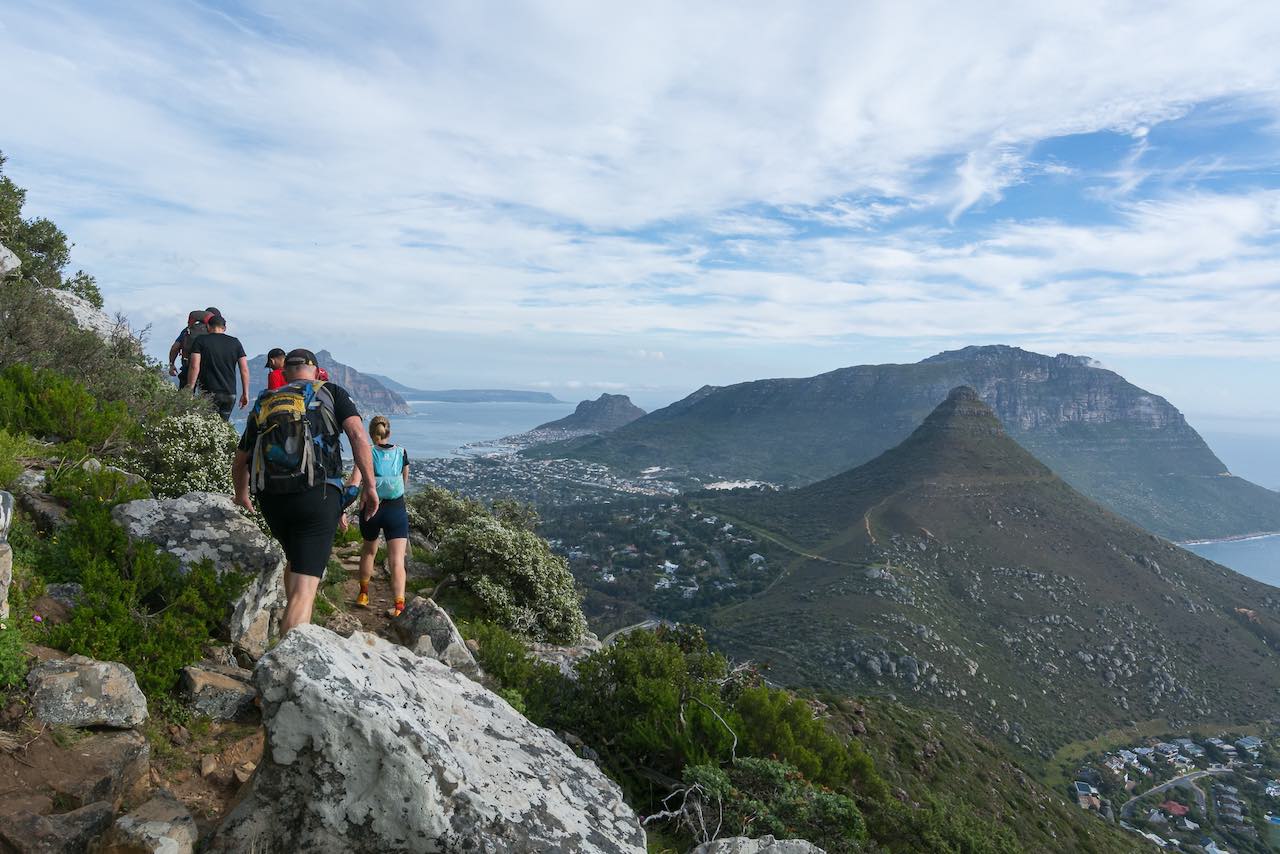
x,y
605,413
963,412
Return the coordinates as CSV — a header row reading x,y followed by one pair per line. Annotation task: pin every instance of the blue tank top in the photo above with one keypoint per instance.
x,y
388,470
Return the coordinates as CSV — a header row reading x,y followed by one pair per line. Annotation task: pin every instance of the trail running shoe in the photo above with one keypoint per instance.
x,y
395,610
362,601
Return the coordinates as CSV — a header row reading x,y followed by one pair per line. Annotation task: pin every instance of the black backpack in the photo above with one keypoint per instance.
x,y
195,328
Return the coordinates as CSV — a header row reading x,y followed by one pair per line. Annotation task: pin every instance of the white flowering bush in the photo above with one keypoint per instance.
x,y
523,586
185,453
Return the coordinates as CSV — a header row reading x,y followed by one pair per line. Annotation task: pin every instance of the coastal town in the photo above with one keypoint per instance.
x,y
1211,794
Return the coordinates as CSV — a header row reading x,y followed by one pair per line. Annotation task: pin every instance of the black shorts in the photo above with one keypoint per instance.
x,y
304,523
224,403
391,519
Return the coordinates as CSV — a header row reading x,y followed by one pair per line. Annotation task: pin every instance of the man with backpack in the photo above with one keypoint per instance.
x,y
197,325
290,458
215,356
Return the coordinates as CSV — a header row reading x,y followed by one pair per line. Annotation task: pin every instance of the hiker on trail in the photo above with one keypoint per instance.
x,y
275,368
391,469
197,325
290,457
215,356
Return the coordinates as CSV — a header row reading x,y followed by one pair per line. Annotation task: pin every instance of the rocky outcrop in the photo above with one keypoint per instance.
x,y
566,658
426,628
160,826
112,766
207,526
81,692
9,262
6,552
84,315
763,845
605,413
219,692
372,748
30,833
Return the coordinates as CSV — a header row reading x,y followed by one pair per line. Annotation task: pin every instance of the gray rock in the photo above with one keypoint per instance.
x,y
110,766
566,658
94,466
342,623
9,262
67,594
372,748
84,315
6,515
218,692
68,833
426,629
160,826
82,692
6,578
207,526
763,845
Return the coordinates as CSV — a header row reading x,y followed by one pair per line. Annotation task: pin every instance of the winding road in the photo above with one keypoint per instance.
x,y
1126,811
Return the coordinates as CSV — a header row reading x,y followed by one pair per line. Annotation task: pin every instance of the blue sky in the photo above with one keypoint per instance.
x,y
649,197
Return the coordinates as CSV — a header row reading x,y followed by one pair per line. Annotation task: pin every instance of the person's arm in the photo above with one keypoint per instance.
x,y
194,371
174,350
362,453
406,472
244,381
240,477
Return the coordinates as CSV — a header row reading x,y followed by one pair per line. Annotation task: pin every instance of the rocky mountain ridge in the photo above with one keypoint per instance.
x,y
1125,447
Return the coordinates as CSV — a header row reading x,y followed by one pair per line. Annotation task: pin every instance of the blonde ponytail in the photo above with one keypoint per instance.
x,y
379,429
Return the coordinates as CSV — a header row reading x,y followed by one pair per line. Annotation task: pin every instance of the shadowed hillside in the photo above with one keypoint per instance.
x,y
958,569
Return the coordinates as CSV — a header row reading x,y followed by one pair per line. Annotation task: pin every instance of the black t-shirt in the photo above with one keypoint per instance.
x,y
220,356
343,408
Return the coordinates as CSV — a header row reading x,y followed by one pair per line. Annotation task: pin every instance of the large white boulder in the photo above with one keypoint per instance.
x,y
8,261
84,315
6,551
208,526
373,748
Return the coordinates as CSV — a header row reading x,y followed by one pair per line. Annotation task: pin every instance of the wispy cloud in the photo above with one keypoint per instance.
x,y
659,176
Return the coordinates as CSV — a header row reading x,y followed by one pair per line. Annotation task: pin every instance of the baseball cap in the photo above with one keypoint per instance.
x,y
300,356
275,351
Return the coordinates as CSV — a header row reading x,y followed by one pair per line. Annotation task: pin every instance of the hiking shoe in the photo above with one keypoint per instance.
x,y
395,610
362,601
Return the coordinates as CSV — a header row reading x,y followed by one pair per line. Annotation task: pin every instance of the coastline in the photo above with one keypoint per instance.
x,y
1238,538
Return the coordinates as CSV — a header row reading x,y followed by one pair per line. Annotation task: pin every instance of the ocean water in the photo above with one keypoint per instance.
x,y
1257,558
436,429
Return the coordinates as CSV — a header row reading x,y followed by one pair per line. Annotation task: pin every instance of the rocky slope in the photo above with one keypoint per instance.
x,y
370,395
1126,448
957,569
605,413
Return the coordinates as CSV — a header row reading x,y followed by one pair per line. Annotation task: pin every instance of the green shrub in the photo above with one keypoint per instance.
x,y
433,510
12,448
537,689
759,796
47,404
189,452
513,572
89,481
139,607
13,658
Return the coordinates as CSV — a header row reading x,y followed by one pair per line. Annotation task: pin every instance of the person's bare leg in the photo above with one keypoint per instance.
x,y
301,592
368,550
395,554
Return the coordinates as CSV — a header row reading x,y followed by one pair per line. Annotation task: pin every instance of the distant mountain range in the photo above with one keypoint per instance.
x,y
1127,448
958,570
372,397
472,395
605,413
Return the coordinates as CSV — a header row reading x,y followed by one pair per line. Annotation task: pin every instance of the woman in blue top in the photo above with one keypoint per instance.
x,y
391,469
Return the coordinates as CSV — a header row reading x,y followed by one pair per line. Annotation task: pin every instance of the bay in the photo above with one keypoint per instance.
x,y
1257,557
437,429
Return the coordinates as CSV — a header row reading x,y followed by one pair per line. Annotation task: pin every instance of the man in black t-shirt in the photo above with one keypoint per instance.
x,y
304,522
214,359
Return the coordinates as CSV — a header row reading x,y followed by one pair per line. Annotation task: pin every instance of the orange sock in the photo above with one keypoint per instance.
x,y
364,587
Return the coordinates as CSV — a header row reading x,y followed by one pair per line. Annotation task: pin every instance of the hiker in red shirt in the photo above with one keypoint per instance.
x,y
275,368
